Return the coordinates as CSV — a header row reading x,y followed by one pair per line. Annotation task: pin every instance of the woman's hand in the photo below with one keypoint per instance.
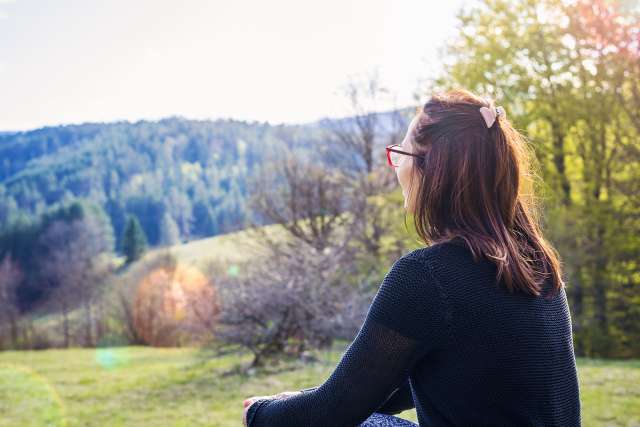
x,y
248,402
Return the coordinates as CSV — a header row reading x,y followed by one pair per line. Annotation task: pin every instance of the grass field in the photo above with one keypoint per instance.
x,y
139,386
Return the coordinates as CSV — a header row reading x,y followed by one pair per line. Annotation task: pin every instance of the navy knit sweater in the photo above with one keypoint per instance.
x,y
441,334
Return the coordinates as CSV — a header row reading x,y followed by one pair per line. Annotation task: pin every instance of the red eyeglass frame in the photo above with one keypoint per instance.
x,y
390,148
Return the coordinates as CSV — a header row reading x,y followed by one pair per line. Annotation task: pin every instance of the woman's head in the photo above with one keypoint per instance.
x,y
472,182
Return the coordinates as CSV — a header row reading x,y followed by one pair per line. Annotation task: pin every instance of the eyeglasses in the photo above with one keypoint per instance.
x,y
393,155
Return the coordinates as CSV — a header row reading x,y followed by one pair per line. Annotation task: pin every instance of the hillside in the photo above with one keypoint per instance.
x,y
189,175
230,250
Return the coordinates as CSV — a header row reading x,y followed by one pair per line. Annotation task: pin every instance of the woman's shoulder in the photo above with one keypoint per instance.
x,y
435,251
446,259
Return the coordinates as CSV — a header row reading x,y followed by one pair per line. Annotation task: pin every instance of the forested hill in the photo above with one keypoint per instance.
x,y
173,174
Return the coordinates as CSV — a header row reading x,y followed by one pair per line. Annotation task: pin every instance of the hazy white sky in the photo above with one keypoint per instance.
x,y
72,61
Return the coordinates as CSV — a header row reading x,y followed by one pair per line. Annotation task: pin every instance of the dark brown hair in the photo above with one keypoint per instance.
x,y
475,187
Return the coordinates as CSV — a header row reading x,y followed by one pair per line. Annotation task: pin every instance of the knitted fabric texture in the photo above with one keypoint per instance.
x,y
443,337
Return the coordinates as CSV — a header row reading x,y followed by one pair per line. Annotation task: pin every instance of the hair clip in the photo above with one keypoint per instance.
x,y
489,114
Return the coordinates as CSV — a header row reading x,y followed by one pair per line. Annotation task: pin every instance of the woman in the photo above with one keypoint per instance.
x,y
472,330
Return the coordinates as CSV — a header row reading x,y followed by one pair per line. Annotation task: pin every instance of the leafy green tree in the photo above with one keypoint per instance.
x,y
134,241
566,72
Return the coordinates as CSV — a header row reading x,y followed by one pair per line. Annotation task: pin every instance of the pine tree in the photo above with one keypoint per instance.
x,y
134,241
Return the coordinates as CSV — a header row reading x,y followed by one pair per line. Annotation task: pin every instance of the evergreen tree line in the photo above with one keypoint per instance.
x,y
183,179
184,176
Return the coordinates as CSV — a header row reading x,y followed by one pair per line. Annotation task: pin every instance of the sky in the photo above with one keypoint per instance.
x,y
281,61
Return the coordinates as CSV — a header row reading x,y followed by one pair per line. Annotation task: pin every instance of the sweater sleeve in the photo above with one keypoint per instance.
x,y
406,320
400,400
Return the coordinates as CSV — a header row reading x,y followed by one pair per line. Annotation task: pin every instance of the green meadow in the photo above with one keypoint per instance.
x,y
142,386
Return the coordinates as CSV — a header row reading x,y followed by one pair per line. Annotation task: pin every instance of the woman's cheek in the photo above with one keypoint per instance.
x,y
410,202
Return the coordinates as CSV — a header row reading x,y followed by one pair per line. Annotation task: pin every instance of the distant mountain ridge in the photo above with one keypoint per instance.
x,y
192,173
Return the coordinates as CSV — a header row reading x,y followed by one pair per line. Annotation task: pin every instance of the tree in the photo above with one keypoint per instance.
x,y
10,277
134,241
362,138
204,224
169,233
307,200
180,208
367,130
161,302
567,74
288,301
75,261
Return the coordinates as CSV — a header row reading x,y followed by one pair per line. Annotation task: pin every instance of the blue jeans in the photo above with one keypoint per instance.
x,y
382,420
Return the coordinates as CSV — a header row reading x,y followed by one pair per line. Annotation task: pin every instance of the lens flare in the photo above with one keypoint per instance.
x,y
27,398
112,358
233,270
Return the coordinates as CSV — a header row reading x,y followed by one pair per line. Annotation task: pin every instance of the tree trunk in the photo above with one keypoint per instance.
x,y
100,322
88,323
13,324
577,310
559,161
65,324
600,290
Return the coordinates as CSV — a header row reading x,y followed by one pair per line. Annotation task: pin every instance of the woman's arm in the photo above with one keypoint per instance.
x,y
405,321
399,400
